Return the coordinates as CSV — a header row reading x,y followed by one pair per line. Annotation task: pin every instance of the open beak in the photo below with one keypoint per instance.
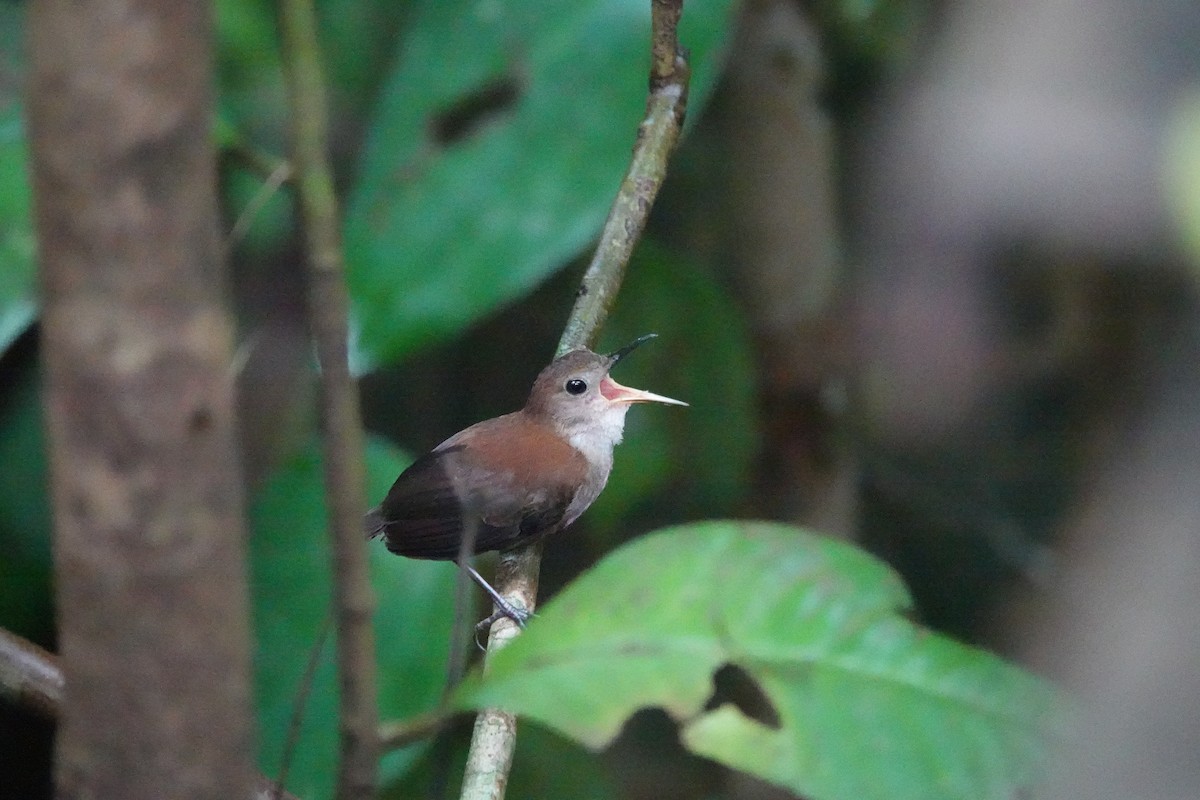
x,y
616,393
629,348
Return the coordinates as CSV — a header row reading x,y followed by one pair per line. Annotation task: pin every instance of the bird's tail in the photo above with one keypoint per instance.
x,y
374,523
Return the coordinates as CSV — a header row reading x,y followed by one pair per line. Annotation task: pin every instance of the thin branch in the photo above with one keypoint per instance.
x,y
303,691
29,676
341,425
657,136
494,738
258,162
270,186
274,172
401,733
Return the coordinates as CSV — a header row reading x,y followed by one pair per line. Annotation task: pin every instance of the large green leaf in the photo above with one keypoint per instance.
x,y
868,704
357,38
291,590
501,137
17,273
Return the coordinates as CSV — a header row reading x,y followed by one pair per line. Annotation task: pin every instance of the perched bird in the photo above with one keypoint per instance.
x,y
511,480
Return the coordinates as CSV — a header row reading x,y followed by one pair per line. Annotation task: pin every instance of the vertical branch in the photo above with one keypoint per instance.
x,y
341,426
656,138
150,571
495,734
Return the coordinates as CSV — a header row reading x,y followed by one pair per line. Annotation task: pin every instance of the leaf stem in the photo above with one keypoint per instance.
x,y
494,737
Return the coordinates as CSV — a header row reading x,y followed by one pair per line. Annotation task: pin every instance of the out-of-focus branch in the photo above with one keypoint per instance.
x,y
341,424
271,184
29,676
401,733
494,738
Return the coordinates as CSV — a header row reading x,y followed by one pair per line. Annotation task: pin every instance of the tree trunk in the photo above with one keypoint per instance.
x,y
149,551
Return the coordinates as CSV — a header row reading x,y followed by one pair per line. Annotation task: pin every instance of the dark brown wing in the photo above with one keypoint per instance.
x,y
501,498
421,516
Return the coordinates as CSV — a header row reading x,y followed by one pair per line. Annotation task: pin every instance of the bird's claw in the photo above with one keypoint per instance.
x,y
507,610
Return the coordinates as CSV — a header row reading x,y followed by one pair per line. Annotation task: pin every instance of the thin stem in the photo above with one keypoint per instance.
x,y
270,186
303,691
495,735
341,426
397,734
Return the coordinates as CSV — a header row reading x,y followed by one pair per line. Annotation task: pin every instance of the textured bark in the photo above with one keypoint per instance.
x,y
149,561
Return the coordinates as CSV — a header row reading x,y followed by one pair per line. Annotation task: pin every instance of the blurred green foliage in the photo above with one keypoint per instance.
x,y
704,357
17,306
863,40
24,507
1181,172
478,146
500,137
291,589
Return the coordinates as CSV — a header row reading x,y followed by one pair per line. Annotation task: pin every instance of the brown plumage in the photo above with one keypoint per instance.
x,y
512,495
513,479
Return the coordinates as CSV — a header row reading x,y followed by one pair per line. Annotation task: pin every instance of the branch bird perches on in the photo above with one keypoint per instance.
x,y
494,737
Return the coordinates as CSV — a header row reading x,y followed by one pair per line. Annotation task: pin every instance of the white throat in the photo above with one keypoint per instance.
x,y
596,437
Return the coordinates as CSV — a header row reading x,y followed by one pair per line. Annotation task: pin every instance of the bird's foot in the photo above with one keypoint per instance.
x,y
505,609
518,615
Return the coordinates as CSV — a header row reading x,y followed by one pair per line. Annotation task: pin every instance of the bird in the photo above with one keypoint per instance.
x,y
517,478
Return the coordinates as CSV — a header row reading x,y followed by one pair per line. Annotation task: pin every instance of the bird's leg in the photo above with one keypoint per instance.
x,y
503,607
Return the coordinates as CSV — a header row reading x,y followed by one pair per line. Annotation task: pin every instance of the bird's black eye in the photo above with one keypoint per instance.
x,y
575,386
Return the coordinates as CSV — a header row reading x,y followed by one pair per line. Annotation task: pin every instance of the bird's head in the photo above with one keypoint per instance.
x,y
581,399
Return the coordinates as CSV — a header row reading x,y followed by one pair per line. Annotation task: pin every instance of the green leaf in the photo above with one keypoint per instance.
x,y
25,567
501,136
358,38
18,307
869,705
249,73
704,357
291,590
1181,171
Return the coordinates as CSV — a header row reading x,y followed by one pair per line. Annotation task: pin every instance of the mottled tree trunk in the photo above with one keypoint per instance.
x,y
149,551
